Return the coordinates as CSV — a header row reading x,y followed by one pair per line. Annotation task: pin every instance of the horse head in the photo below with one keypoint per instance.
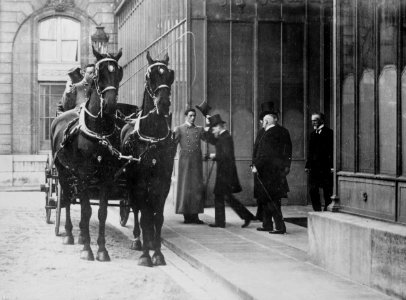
x,y
108,75
159,79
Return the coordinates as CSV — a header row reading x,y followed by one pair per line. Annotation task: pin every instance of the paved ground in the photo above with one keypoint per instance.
x,y
250,264
34,264
258,265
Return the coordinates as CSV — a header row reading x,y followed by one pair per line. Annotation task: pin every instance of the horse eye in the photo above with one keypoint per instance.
x,y
161,70
111,68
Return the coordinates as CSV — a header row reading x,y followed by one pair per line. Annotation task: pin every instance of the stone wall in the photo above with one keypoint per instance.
x,y
22,171
368,251
18,78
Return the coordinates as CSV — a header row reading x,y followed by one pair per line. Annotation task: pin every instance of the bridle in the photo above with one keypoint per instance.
x,y
96,80
153,92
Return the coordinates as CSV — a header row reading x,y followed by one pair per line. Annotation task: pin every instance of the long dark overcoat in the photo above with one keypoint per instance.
x,y
320,155
226,178
273,155
190,187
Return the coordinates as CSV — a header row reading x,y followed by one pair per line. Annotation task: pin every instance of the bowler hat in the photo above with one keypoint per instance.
x,y
266,109
75,75
215,120
204,108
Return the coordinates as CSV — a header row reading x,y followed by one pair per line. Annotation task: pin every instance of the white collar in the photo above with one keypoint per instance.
x,y
320,127
221,132
189,124
269,127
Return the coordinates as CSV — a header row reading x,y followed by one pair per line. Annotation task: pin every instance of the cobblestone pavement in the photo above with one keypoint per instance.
x,y
35,264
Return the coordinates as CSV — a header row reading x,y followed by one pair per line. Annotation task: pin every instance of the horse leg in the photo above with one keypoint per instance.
x,y
147,234
158,258
68,238
136,243
85,214
102,254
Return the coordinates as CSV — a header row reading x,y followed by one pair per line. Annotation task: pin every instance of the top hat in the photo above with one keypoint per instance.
x,y
266,109
215,120
75,75
204,108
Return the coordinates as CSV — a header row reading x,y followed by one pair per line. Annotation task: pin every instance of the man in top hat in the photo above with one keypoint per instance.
x,y
190,188
319,163
266,106
227,181
271,164
76,92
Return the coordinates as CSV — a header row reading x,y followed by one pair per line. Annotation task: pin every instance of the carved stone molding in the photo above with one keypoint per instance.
x,y
60,5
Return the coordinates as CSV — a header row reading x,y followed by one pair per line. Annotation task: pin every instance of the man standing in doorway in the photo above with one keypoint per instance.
x,y
271,164
190,189
319,164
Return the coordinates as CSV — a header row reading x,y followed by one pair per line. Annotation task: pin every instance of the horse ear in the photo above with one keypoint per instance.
x,y
120,52
171,77
166,59
150,60
97,54
120,73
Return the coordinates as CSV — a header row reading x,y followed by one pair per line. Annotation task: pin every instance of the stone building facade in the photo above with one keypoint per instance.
x,y
39,41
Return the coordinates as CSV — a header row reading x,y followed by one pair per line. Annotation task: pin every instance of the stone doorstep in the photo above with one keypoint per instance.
x,y
367,251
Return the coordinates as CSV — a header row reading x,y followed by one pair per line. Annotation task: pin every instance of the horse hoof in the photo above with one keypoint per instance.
x,y
81,240
145,261
103,256
136,245
86,255
68,240
158,259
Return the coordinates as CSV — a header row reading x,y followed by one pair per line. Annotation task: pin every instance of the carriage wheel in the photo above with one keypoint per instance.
x,y
124,212
47,188
58,192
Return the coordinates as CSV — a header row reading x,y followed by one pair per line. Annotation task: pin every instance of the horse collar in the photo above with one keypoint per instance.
x,y
148,139
85,130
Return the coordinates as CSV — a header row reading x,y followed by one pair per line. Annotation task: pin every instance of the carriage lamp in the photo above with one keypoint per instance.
x,y
100,39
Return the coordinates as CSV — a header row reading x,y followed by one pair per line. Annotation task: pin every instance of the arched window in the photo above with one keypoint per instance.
x,y
59,40
58,51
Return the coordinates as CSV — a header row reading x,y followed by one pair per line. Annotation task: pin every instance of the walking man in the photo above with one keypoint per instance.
x,y
227,181
190,189
319,164
271,164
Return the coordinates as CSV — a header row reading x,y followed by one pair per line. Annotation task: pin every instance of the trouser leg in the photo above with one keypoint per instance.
x,y
276,211
219,209
259,211
266,215
187,217
315,196
327,191
239,208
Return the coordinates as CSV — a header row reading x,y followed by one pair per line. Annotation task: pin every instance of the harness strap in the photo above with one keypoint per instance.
x,y
85,130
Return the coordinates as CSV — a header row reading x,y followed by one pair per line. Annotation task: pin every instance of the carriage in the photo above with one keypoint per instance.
x,y
53,190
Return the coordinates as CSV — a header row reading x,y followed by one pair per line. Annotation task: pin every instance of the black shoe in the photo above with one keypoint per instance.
x,y
246,223
277,232
264,229
216,225
198,221
187,222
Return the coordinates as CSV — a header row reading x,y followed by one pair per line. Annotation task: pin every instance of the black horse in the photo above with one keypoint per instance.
x,y
82,145
151,139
